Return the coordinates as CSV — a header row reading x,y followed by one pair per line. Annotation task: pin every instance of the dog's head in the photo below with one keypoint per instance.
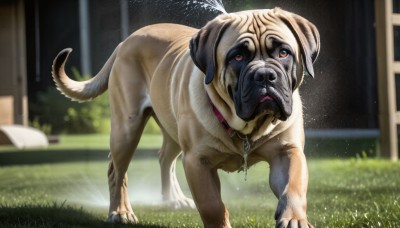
x,y
255,60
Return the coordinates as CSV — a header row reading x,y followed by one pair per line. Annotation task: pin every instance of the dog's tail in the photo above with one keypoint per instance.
x,y
84,90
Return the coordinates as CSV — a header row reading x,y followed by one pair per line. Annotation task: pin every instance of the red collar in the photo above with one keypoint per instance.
x,y
231,132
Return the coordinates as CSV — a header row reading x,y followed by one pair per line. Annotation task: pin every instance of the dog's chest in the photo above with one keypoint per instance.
x,y
235,162
235,157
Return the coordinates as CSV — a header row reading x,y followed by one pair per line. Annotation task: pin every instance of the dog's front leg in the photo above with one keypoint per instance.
x,y
205,186
289,180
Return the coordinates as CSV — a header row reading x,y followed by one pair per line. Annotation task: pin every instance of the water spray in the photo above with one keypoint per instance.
x,y
212,5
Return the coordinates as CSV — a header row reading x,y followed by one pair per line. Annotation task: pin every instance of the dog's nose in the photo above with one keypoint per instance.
x,y
265,74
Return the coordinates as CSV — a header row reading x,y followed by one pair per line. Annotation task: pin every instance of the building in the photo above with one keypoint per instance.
x,y
13,86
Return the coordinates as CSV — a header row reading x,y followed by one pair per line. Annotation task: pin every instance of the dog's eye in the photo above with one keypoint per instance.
x,y
238,58
283,53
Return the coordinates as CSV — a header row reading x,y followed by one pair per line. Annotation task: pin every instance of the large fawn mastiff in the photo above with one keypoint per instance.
x,y
225,96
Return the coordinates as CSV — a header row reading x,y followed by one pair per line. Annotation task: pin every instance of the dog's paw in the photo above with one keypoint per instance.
x,y
301,223
291,214
125,217
181,203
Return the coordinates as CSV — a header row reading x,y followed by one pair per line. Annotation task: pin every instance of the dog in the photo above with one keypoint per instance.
x,y
225,96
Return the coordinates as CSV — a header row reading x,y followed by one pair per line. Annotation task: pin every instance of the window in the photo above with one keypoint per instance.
x,y
396,41
396,6
397,78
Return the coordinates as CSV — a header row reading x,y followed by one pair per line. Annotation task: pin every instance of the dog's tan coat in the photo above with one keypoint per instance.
x,y
151,73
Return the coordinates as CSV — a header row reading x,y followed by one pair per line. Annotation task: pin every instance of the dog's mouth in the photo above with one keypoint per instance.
x,y
267,106
266,98
254,101
252,108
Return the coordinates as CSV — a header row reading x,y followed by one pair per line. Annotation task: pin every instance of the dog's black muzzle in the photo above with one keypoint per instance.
x,y
263,89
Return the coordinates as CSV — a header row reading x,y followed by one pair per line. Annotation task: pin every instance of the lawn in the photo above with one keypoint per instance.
x,y
342,193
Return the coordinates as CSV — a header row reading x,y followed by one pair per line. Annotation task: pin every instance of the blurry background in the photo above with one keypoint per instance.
x,y
341,102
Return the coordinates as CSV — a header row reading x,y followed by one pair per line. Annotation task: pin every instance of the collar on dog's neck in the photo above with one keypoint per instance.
x,y
231,132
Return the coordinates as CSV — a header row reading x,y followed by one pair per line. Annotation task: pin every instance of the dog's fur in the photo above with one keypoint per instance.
x,y
248,66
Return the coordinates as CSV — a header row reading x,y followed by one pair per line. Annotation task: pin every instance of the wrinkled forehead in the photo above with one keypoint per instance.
x,y
261,27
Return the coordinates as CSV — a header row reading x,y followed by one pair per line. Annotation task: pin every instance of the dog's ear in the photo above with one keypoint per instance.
x,y
306,34
203,46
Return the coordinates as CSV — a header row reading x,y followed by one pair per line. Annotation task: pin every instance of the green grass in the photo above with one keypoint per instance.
x,y
91,142
73,148
66,186
342,193
101,141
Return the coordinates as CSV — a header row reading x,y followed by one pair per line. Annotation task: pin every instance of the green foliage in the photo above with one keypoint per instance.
x,y
45,128
54,113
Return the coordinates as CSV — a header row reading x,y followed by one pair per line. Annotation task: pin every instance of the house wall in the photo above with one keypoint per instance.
x,y
13,99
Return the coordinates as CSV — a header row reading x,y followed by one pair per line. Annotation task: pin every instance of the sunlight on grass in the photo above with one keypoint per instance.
x,y
91,142
342,193
101,141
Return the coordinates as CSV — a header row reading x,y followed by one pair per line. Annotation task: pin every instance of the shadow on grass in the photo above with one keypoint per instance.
x,y
315,148
56,215
32,157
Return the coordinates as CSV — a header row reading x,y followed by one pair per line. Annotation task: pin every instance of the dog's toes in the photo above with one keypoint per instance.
x,y
302,223
123,218
189,203
183,203
293,223
283,223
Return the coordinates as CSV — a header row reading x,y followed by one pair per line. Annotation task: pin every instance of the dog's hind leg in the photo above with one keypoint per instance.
x,y
130,110
171,190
